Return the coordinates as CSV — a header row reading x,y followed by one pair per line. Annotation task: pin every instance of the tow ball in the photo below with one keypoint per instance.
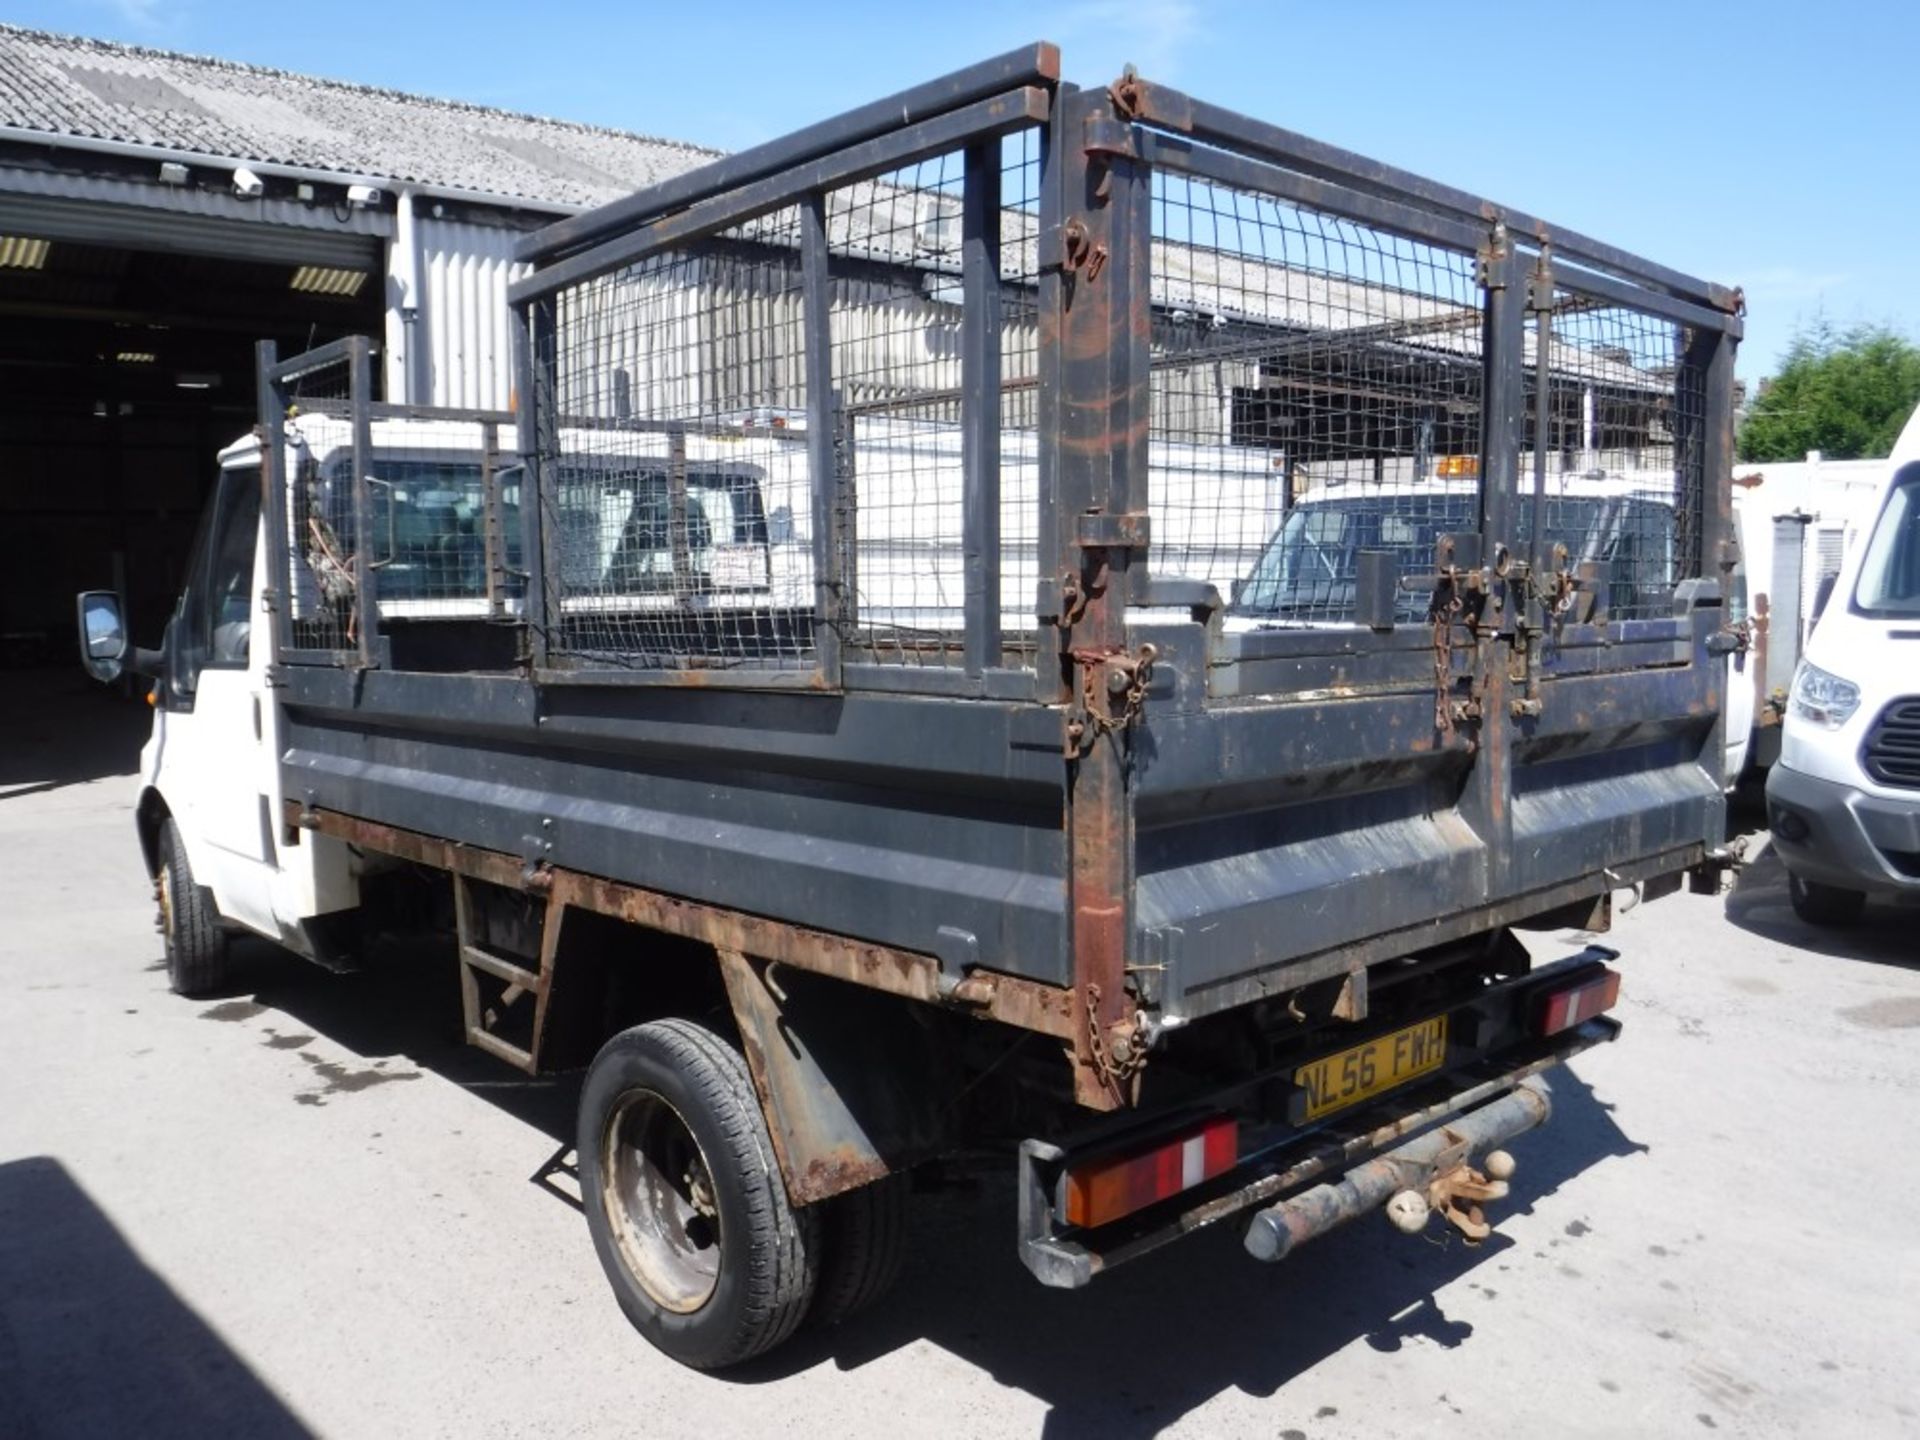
x,y
1456,1197
1433,1172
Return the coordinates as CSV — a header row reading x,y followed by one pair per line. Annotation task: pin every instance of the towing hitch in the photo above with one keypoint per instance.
x,y
1434,1172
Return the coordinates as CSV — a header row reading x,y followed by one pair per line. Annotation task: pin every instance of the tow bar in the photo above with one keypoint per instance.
x,y
1434,1172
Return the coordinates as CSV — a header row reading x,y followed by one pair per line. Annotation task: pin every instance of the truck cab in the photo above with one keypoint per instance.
x,y
210,781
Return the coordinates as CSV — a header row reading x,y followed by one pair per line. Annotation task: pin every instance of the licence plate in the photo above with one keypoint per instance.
x,y
1337,1081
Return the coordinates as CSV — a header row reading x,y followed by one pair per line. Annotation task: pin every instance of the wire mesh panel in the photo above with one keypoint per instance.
x,y
1019,394
1621,430
443,517
896,356
675,485
899,372
321,573
1316,393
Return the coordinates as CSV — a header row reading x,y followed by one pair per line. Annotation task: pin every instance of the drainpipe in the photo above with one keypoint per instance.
x,y
409,373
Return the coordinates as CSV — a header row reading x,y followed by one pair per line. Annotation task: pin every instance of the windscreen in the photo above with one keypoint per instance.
x,y
1890,571
627,532
1309,569
428,517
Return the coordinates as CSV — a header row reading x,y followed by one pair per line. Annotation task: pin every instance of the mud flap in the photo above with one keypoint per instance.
x,y
846,1077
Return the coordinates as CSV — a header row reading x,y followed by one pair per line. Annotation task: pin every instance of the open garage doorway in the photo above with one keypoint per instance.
x,y
123,371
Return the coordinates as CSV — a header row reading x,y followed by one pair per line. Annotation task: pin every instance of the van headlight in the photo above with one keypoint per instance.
x,y
1822,698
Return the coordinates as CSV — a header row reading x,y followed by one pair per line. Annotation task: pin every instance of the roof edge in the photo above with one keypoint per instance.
x,y
118,47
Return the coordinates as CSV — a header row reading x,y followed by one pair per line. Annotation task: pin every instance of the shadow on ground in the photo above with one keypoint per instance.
x,y
93,1343
57,727
1758,904
1140,1348
1147,1344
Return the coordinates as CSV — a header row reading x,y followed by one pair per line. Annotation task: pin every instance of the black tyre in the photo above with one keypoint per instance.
x,y
684,1200
863,1238
1824,904
196,945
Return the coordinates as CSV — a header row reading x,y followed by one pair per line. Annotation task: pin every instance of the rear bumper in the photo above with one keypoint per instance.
x,y
1834,834
1066,1258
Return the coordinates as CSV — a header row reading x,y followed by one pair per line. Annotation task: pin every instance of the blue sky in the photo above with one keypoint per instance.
x,y
1770,145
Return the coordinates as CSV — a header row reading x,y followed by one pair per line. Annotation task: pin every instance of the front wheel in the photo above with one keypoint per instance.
x,y
196,945
684,1201
1819,904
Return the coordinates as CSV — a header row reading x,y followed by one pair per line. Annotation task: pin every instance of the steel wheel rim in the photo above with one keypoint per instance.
x,y
656,1190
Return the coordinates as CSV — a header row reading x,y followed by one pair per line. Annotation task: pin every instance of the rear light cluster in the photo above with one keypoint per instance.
x,y
1591,995
1104,1190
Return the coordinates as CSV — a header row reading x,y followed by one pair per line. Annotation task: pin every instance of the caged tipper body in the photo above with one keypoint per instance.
x,y
1026,620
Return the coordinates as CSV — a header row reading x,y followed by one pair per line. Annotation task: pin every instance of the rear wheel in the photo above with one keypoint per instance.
x,y
863,1238
685,1204
1824,904
196,946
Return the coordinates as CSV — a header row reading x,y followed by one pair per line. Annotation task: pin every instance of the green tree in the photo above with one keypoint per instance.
x,y
1843,393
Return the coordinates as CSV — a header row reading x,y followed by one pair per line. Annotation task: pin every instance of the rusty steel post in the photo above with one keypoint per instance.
x,y
1101,333
1486,803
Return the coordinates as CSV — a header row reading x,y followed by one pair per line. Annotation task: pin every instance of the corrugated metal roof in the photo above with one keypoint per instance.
x,y
67,85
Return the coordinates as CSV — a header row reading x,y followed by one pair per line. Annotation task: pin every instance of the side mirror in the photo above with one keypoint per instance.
x,y
103,634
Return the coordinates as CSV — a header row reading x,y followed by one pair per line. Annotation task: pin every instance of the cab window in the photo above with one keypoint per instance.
x,y
214,626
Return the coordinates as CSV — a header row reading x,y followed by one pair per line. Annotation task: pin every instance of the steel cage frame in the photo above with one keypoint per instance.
x,y
353,355
1132,130
865,144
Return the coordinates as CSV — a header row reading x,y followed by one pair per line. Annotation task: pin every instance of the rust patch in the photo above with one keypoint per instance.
x,y
1024,1003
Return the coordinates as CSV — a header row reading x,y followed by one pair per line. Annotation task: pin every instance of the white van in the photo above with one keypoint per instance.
x,y
1844,800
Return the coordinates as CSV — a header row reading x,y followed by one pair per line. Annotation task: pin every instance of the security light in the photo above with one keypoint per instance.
x,y
172,172
22,253
325,280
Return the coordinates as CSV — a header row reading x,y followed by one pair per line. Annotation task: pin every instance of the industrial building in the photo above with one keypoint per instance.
x,y
159,213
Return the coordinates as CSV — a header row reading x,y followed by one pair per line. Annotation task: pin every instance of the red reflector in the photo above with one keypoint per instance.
x,y
1564,1009
1104,1190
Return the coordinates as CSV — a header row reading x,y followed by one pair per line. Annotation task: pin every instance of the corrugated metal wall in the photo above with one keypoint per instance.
x,y
464,270
687,339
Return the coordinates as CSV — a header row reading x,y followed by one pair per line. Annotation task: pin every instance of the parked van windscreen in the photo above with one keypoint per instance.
x,y
1307,573
1890,570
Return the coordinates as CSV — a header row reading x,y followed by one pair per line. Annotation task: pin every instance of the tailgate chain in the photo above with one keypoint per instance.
x,y
1121,1070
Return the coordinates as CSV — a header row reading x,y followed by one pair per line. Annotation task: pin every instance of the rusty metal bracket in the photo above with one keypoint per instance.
x,y
1499,245
1079,255
1540,282
1108,136
1113,695
1113,530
